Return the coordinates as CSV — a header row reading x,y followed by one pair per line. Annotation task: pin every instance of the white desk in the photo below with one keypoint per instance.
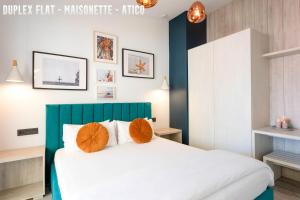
x,y
170,133
263,149
23,171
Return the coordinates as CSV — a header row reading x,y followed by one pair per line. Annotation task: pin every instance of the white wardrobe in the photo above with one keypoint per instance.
x,y
228,92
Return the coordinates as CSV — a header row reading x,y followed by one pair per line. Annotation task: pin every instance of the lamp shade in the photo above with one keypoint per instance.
x,y
147,3
14,75
196,13
165,85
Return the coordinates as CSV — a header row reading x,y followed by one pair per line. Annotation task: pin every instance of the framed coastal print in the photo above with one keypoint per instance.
x,y
137,64
106,92
105,76
105,48
58,72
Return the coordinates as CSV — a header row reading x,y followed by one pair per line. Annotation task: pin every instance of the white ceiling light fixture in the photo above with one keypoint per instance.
x,y
14,75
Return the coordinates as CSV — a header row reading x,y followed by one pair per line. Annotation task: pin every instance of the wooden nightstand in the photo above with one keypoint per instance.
x,y
22,173
169,133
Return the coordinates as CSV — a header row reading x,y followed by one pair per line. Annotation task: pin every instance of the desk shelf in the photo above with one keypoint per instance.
x,y
280,133
169,133
263,149
24,171
284,159
35,190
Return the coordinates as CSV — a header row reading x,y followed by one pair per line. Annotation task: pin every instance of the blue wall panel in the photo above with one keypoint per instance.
x,y
108,114
182,36
117,111
133,111
52,136
98,112
148,112
125,112
77,114
141,110
88,113
65,118
178,75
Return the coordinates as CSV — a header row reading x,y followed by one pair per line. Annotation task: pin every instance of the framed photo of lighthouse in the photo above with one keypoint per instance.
x,y
58,72
137,64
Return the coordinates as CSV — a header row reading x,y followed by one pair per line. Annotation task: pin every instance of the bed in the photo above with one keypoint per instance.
x,y
161,169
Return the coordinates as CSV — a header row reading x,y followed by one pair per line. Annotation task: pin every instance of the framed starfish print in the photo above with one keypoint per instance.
x,y
137,64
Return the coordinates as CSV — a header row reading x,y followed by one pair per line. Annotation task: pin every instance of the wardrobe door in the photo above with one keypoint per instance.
x,y
200,74
232,91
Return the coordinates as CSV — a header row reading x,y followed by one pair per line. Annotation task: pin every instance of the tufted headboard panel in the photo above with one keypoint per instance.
x,y
58,115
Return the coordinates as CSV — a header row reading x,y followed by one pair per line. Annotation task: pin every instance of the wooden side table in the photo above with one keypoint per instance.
x,y
23,173
169,133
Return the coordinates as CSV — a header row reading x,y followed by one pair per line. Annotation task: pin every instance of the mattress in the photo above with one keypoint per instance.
x,y
161,169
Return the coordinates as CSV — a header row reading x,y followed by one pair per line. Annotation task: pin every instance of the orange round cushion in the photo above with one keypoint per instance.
x,y
92,137
140,131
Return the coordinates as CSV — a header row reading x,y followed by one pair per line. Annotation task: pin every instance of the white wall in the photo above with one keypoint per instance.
x,y
23,107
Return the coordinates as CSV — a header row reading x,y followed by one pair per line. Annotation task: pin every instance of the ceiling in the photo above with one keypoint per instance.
x,y
170,8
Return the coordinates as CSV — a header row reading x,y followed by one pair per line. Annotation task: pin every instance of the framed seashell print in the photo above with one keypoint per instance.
x,y
105,48
137,64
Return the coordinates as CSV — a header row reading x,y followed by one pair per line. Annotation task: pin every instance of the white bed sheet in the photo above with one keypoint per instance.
x,y
157,170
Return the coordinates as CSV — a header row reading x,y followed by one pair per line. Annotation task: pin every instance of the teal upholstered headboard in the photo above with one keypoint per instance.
x,y
57,115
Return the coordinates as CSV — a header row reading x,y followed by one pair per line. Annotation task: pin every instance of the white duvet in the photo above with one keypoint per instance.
x,y
160,170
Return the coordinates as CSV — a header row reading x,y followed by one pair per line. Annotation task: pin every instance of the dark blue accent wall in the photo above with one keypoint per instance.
x,y
183,35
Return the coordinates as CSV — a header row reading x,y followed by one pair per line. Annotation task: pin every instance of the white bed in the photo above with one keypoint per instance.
x,y
161,169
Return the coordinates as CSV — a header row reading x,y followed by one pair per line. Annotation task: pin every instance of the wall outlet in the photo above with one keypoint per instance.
x,y
29,131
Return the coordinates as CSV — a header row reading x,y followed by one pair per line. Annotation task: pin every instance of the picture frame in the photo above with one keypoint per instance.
x,y
106,92
58,72
105,48
106,76
137,64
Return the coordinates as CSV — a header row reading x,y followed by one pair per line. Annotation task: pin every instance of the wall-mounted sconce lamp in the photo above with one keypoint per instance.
x,y
165,85
14,75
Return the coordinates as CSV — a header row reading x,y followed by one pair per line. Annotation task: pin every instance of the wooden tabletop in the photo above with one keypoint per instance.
x,y
21,154
280,133
167,131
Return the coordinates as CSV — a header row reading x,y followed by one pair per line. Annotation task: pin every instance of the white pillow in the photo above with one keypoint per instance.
x,y
70,132
69,137
123,131
111,128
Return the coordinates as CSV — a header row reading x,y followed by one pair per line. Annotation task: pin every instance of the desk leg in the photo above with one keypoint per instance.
x,y
262,145
276,169
178,137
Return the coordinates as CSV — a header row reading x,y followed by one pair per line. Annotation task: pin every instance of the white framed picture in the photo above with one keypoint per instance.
x,y
105,76
59,72
105,48
106,92
137,64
